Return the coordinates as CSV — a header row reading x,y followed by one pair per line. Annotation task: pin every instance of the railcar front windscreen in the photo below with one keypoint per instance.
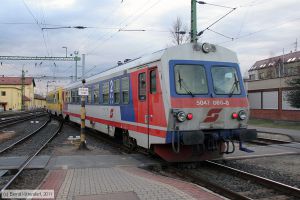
x,y
190,79
225,80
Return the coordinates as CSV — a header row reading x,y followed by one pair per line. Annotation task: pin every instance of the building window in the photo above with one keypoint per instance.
x,y
153,82
252,76
125,90
105,92
261,75
96,94
142,86
117,91
3,93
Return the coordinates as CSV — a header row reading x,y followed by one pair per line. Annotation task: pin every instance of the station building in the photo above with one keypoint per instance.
x,y
267,87
10,93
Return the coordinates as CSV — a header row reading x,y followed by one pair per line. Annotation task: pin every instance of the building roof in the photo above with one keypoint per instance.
x,y
40,97
273,61
16,81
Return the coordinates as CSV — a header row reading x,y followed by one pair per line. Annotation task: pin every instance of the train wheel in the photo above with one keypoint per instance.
x,y
129,141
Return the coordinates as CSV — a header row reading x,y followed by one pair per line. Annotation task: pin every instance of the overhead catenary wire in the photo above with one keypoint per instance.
x,y
261,30
37,22
126,25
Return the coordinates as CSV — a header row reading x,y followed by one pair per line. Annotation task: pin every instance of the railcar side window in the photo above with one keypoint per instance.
x,y
78,97
117,91
125,90
105,92
55,98
96,94
190,79
73,94
225,80
89,97
153,82
142,86
69,97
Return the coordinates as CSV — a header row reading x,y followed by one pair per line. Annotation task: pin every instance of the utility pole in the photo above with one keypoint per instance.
x,y
296,44
76,59
193,21
83,145
22,90
83,66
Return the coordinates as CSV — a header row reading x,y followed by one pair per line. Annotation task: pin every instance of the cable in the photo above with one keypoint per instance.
x,y
201,32
37,22
261,30
113,34
221,34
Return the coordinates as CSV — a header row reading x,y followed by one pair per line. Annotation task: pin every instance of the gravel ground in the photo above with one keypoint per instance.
x,y
21,130
29,179
233,183
284,169
60,145
34,142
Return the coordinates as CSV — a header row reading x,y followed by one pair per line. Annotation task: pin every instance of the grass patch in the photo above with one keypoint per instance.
x,y
275,124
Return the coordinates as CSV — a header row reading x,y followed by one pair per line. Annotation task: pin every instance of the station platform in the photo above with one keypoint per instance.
x,y
120,183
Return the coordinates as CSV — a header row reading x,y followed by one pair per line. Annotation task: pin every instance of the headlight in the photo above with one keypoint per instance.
x,y
242,115
206,48
181,116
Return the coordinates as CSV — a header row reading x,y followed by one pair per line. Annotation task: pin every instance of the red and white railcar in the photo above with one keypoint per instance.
x,y
185,103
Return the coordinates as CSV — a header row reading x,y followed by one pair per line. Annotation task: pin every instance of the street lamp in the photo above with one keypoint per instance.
x,y
66,50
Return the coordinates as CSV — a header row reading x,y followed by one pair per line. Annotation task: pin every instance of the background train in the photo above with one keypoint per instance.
x,y
184,103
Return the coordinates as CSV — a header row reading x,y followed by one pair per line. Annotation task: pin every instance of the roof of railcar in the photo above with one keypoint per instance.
x,y
156,56
128,65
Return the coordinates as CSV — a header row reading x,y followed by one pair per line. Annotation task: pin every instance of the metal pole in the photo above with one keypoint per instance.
x,y
83,66
22,90
76,69
83,145
193,21
76,59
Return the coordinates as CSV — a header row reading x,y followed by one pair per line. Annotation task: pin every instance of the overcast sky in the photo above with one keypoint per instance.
x,y
260,28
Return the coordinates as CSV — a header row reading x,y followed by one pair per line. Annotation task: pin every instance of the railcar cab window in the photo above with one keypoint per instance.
x,y
96,94
125,90
117,91
190,79
153,81
105,92
225,80
142,86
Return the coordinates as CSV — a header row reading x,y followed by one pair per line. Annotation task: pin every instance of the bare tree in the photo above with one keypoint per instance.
x,y
179,32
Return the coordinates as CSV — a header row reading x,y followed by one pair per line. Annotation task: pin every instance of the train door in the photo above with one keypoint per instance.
x,y
142,106
150,109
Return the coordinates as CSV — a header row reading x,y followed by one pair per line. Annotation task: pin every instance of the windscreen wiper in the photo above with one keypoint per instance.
x,y
182,84
234,86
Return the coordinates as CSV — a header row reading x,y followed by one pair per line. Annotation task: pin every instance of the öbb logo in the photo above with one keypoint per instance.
x,y
212,115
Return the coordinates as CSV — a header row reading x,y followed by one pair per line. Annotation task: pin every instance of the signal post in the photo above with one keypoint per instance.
x,y
83,92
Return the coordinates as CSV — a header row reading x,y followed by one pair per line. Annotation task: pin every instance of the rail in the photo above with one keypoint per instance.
x,y
31,157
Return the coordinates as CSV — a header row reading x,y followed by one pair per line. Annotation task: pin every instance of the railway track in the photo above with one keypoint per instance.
x,y
14,119
257,187
43,136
